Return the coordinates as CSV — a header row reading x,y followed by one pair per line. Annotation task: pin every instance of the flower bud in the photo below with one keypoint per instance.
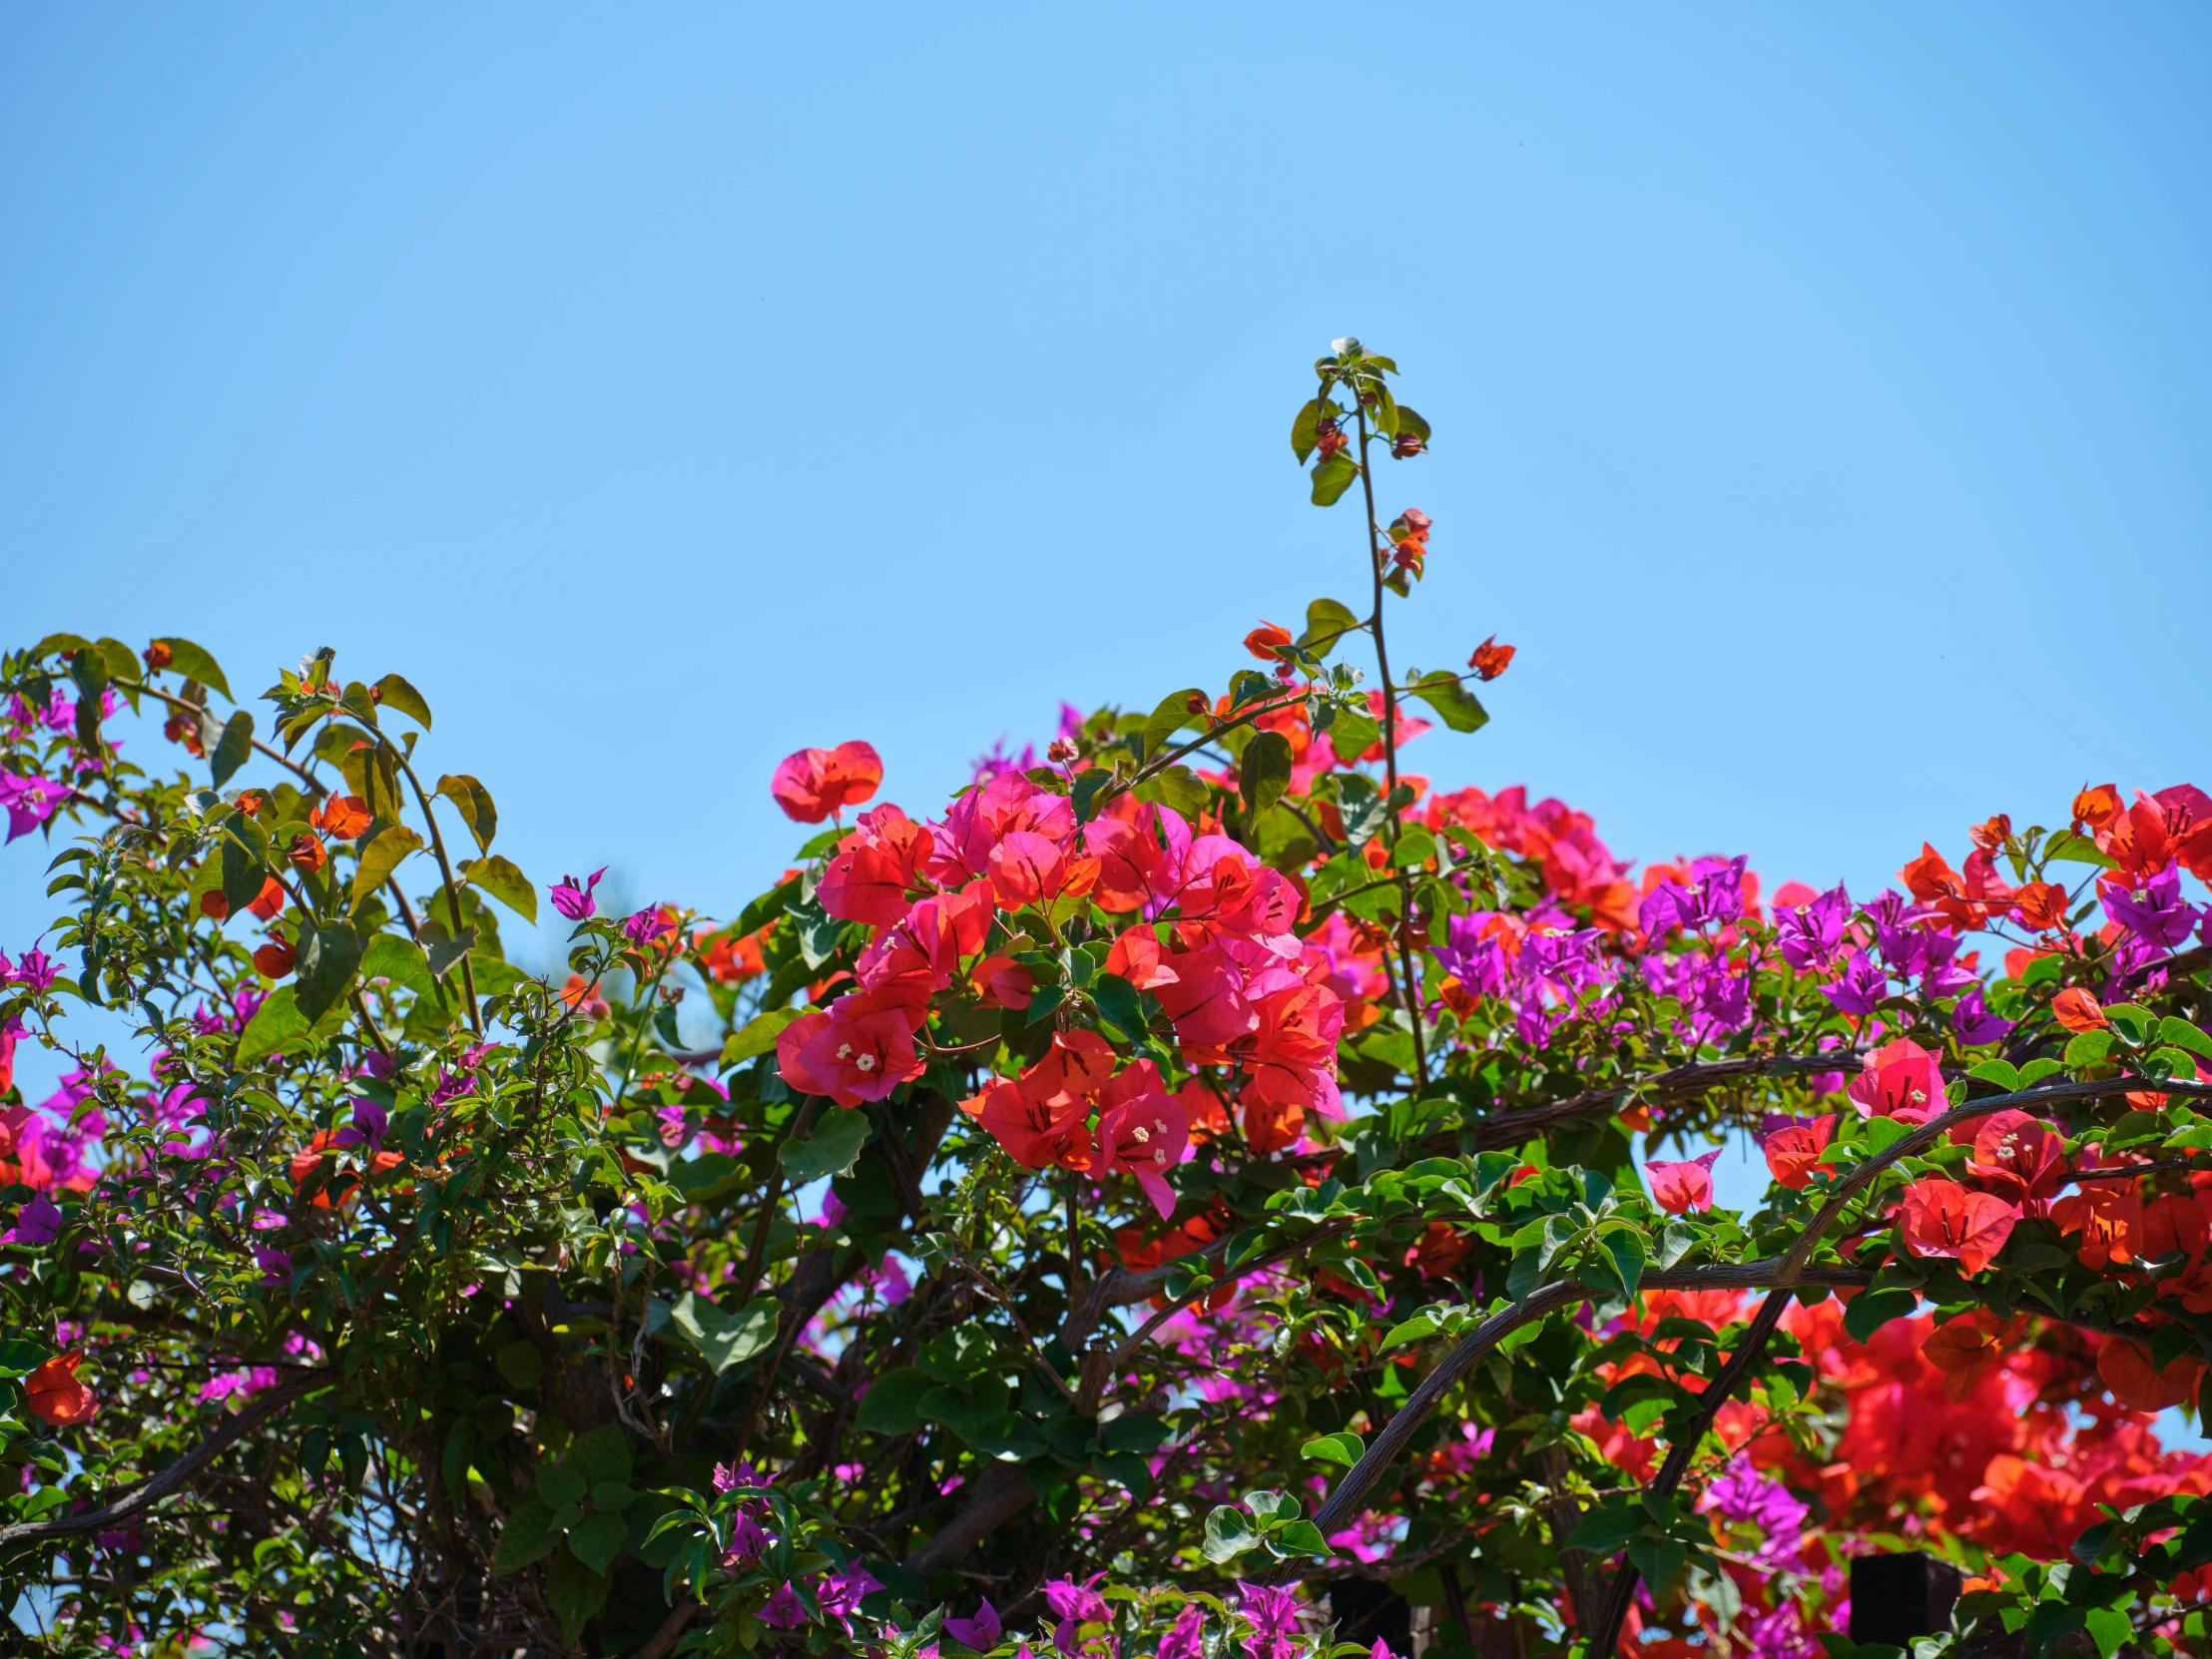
x,y
157,656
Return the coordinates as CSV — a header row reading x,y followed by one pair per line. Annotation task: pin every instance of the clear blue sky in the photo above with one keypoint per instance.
x,y
1822,393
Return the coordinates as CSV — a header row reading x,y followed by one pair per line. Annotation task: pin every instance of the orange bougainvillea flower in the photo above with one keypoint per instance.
x,y
2127,1369
2042,906
1991,834
1266,642
1490,659
1941,1218
56,1395
813,782
2095,805
273,959
1928,877
2109,1218
307,853
1271,1126
342,817
2077,1010
1965,1349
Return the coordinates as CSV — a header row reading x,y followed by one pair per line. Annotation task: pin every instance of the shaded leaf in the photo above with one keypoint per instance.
x,y
233,748
833,1148
474,803
328,960
276,1022
1451,700
757,1036
379,857
1263,770
1333,477
528,1536
1327,621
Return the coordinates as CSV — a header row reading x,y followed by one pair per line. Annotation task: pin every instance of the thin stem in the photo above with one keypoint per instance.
x,y
1409,976
453,887
759,1247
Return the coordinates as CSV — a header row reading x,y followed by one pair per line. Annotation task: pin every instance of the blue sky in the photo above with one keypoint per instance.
x,y
1820,393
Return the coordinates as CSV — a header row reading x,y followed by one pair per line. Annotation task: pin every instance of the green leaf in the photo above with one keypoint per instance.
x,y
1120,1007
520,1363
832,1149
1625,1245
722,1338
1134,1431
757,1036
2000,1072
1414,1329
1351,734
1333,477
2088,1047
442,950
1342,1448
1869,1311
276,1022
328,960
2075,850
1883,1133
503,881
1170,716
1327,621
1089,785
2109,1627
603,1454
597,1540
1263,770
195,663
233,748
1300,1538
244,863
1180,787
393,692
1305,429
1362,805
379,857
1228,1533
1451,700
574,1592
1604,1530
2178,1031
474,801
888,1408
528,1536
1658,1559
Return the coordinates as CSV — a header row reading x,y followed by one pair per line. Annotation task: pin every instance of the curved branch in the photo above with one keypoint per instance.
x,y
1351,1494
1510,1128
1863,1174
161,1485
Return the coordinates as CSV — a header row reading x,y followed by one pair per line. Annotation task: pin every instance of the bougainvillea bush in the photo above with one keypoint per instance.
x,y
1206,1191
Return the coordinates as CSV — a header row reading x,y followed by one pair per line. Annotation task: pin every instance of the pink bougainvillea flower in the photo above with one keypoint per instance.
x,y
814,782
861,1049
573,898
783,1610
38,1222
1294,1054
1900,1080
981,1631
1941,1218
2019,1158
1075,1066
1003,983
1680,1187
1205,999
29,801
1142,1131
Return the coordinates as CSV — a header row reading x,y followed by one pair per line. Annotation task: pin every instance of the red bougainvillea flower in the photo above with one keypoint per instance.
x,y
813,782
2077,1010
1941,1218
2019,1159
1900,1080
1293,1055
730,961
2127,1370
1991,834
2173,1225
1794,1151
273,959
1205,999
1003,983
868,878
342,817
1142,1131
1075,1067
1034,1134
1680,1187
1491,659
56,1395
1266,641
1271,1126
1030,869
1136,957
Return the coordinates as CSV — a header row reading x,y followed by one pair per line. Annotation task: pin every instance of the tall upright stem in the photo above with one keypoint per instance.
x,y
1378,560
